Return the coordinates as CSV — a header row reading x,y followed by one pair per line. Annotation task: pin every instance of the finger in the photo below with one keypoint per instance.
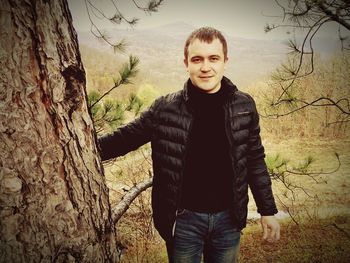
x,y
275,234
264,226
278,233
272,234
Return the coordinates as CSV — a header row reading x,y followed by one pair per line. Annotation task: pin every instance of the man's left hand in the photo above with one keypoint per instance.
x,y
271,228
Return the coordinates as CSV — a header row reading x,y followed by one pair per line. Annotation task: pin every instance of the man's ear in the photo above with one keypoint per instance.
x,y
226,60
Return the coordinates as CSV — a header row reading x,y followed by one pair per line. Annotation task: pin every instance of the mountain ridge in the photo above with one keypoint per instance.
x,y
160,50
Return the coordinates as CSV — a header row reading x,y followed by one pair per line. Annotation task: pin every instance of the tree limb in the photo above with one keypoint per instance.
x,y
334,16
319,102
341,230
128,198
312,15
313,30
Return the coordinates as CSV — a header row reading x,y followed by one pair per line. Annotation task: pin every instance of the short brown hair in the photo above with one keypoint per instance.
x,y
206,34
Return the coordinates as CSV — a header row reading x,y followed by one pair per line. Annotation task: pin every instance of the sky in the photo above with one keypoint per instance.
x,y
237,18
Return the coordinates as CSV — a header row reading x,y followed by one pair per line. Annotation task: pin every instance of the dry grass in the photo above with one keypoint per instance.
x,y
315,241
323,233
319,240
324,222
331,193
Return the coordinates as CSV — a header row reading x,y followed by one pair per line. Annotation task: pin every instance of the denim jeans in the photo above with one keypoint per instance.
x,y
212,235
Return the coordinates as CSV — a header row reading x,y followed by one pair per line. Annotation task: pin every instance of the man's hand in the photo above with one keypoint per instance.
x,y
271,228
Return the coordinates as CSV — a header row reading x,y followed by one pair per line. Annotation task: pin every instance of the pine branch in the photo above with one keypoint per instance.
x,y
128,71
335,16
279,171
152,5
117,18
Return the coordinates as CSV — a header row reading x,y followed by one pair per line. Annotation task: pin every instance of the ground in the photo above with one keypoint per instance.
x,y
318,231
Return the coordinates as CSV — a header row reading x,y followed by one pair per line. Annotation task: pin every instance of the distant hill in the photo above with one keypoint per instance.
x,y
160,50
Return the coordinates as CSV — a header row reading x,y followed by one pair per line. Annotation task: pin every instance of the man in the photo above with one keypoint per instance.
x,y
206,150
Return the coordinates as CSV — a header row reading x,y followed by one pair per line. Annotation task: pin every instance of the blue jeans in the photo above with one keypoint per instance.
x,y
212,235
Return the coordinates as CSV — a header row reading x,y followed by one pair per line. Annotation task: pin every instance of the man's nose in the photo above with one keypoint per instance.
x,y
205,66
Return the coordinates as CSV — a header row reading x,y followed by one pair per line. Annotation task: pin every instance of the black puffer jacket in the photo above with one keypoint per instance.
x,y
167,125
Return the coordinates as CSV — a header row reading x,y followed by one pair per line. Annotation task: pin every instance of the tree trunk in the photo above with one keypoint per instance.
x,y
54,203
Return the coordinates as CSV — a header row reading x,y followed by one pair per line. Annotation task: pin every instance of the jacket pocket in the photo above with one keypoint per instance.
x,y
242,113
241,120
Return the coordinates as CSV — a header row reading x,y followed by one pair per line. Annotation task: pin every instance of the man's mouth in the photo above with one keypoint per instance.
x,y
205,77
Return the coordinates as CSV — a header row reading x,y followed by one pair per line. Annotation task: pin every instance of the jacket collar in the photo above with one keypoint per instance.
x,y
226,83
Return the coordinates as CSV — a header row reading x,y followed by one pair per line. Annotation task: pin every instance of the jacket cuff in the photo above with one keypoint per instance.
x,y
270,213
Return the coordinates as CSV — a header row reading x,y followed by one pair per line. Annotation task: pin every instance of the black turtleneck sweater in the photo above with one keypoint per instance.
x,y
208,175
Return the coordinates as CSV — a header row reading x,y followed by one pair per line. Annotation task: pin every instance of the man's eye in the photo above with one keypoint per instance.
x,y
196,60
214,59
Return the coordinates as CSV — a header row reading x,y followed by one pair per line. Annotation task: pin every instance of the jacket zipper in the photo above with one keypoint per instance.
x,y
183,169
174,225
181,176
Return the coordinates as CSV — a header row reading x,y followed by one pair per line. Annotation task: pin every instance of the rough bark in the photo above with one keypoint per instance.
x,y
54,204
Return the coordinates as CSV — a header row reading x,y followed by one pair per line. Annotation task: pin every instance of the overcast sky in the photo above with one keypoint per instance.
x,y
239,18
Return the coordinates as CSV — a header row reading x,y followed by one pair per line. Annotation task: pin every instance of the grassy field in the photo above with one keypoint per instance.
x,y
317,240
321,232
328,193
318,232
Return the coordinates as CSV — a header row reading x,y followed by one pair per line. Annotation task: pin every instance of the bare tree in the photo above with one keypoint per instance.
x,y
308,17
54,202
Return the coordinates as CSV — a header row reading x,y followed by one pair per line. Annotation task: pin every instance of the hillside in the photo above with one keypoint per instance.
x,y
161,53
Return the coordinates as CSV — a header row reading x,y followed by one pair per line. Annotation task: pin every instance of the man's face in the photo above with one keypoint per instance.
x,y
206,64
